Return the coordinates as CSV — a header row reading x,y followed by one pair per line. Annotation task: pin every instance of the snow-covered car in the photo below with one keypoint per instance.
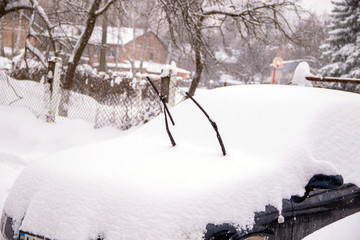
x,y
292,166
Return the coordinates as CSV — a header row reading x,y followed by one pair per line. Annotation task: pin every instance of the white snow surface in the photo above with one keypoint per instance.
x,y
139,187
5,63
24,138
346,228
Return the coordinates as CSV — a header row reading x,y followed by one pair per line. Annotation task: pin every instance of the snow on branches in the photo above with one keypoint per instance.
x,y
342,47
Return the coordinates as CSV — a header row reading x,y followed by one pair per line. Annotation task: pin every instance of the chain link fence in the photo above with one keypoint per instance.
x,y
104,101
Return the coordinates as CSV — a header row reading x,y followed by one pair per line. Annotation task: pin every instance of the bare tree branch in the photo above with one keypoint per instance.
x,y
29,47
201,20
105,8
7,6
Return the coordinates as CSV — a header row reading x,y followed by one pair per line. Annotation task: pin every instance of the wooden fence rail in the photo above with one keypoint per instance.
x,y
334,79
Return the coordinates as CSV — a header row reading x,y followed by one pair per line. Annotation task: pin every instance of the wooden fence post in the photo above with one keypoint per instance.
x,y
165,86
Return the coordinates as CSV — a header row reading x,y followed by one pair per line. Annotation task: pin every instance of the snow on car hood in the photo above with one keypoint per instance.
x,y
139,187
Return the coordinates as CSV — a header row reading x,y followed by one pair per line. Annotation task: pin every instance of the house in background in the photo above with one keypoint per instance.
x,y
14,27
124,45
127,47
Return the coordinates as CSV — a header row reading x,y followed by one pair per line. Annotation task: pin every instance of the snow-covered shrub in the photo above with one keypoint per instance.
x,y
27,69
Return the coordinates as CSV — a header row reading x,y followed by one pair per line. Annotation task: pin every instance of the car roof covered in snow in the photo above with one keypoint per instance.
x,y
140,187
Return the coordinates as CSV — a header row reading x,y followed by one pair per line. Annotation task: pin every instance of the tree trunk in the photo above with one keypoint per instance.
x,y
7,6
144,44
76,55
198,71
2,52
3,5
199,64
169,57
13,18
133,65
18,36
103,65
81,44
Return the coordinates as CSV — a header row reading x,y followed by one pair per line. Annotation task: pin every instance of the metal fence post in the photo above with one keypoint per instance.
x,y
55,91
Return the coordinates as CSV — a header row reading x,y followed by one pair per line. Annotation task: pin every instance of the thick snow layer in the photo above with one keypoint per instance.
x,y
347,228
139,187
24,138
5,63
302,70
150,66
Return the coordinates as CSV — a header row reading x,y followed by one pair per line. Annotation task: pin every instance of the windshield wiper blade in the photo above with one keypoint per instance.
x,y
166,112
212,122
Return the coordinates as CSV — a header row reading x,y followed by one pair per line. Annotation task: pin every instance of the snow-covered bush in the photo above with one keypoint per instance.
x,y
27,69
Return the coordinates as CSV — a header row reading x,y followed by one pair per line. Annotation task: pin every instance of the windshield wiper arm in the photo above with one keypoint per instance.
x,y
213,124
166,112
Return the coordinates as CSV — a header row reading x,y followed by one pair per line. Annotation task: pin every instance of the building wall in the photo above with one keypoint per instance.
x,y
10,31
154,51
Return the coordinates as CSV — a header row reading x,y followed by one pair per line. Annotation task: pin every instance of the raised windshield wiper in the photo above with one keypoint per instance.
x,y
212,122
166,111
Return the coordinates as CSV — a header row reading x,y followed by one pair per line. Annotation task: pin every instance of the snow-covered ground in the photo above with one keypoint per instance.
x,y
347,228
277,138
24,138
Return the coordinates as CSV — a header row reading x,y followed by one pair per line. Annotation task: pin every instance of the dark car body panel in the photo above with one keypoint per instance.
x,y
321,208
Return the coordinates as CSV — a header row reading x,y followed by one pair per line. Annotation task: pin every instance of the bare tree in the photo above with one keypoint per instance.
x,y
103,64
197,21
54,28
312,32
139,16
93,13
18,36
2,52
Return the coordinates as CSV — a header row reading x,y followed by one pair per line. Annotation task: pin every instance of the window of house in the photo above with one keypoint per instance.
x,y
112,51
151,57
86,51
96,51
